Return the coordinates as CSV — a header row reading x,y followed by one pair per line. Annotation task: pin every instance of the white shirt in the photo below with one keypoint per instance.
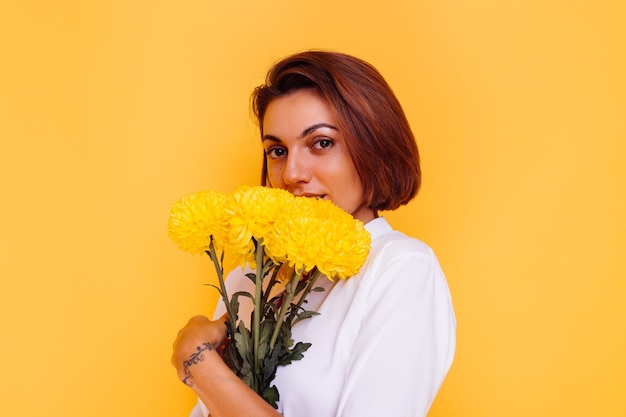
x,y
383,342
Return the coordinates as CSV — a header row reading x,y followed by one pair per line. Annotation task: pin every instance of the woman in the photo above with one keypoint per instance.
x,y
385,338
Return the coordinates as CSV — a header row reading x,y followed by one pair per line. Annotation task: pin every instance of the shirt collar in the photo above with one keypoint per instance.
x,y
378,227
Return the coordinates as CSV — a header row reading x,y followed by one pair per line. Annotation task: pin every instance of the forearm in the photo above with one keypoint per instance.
x,y
224,394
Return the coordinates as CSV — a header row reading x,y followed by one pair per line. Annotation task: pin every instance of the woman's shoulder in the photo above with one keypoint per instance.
x,y
394,243
399,260
400,269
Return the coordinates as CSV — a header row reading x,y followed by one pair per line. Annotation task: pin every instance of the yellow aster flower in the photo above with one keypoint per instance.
x,y
256,208
312,233
302,232
195,218
251,213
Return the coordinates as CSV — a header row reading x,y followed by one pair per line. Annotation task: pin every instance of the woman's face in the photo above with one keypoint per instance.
x,y
307,154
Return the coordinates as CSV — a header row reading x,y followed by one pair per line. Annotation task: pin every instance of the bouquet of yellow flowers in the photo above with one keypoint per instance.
x,y
278,235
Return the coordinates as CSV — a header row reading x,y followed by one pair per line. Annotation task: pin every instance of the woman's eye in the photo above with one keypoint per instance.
x,y
275,152
323,143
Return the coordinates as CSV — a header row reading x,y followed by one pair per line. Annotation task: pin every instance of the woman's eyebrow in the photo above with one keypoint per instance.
x,y
304,133
271,137
314,127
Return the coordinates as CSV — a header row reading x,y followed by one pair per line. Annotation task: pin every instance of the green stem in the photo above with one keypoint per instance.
x,y
219,269
290,288
256,322
305,292
275,269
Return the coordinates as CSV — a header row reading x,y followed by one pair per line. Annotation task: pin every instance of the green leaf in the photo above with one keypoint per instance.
x,y
242,294
271,396
301,285
251,276
271,310
232,358
216,287
243,342
270,363
234,307
305,315
268,265
246,375
295,354
264,336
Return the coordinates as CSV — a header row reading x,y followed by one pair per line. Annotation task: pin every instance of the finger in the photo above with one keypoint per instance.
x,y
198,319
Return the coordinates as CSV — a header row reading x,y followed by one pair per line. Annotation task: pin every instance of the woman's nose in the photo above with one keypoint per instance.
x,y
296,169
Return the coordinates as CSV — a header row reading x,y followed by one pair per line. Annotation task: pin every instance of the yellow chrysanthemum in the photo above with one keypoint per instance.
x,y
257,207
195,218
251,212
302,232
312,233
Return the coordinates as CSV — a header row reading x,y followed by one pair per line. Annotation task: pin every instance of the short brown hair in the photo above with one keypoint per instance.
x,y
377,133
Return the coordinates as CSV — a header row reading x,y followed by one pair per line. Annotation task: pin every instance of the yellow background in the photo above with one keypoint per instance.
x,y
112,110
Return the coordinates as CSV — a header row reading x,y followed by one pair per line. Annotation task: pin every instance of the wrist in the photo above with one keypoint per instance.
x,y
194,362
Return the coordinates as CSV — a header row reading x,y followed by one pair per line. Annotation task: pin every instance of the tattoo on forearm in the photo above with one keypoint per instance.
x,y
188,380
195,357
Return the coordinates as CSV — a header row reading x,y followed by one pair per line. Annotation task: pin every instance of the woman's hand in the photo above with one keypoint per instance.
x,y
204,371
199,336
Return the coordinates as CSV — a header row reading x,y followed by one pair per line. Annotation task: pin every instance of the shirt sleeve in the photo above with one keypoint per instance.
x,y
199,410
406,342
